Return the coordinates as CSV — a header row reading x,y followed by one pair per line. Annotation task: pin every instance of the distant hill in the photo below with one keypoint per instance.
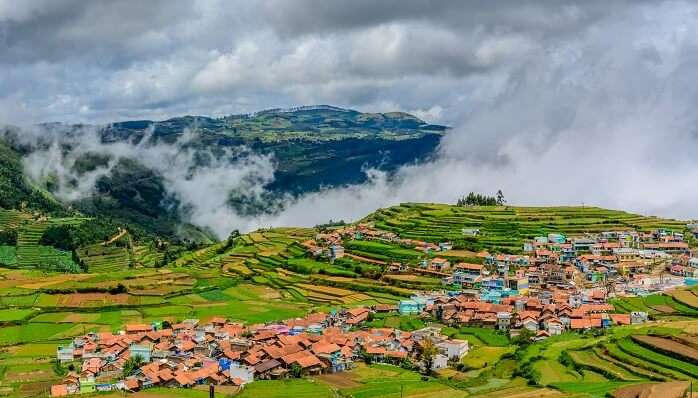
x,y
312,147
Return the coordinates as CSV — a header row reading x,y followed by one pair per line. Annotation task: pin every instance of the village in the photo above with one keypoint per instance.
x,y
557,284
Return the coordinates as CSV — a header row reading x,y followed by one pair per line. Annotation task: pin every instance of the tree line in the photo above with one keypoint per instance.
x,y
477,199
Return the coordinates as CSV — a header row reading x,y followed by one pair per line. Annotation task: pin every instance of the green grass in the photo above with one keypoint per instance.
x,y
302,388
484,356
15,314
591,389
390,381
505,228
631,348
8,255
589,360
32,333
488,336
404,322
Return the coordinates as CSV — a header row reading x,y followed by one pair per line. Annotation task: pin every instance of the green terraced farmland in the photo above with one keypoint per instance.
x,y
104,259
505,228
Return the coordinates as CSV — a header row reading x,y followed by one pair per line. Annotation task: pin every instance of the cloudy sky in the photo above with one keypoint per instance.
x,y
552,101
99,61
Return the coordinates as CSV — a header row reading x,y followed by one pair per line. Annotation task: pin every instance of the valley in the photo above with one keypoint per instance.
x,y
382,262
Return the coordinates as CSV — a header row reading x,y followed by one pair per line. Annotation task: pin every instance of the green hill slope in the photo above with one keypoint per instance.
x,y
504,228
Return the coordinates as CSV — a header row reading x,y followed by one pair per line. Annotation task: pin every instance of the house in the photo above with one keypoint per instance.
x,y
453,349
556,238
65,353
470,231
520,285
582,244
357,315
138,328
59,390
414,306
693,262
439,361
554,326
439,265
445,246
625,254
529,323
142,350
541,335
637,317
269,369
87,385
503,320
246,374
336,251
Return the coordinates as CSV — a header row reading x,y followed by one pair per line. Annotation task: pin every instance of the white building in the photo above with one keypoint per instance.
x,y
453,349
440,362
244,373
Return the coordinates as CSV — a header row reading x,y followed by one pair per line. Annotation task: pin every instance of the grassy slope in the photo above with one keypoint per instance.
x,y
505,228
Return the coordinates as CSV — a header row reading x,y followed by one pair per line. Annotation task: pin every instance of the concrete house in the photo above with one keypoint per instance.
x,y
453,349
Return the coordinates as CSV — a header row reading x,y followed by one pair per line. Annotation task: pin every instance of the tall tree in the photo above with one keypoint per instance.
x,y
500,198
132,365
427,353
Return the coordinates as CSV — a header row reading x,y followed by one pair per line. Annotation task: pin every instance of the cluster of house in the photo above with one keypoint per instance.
x,y
225,353
551,313
546,260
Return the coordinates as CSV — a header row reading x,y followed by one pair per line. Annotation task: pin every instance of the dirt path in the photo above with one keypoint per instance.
x,y
368,260
116,237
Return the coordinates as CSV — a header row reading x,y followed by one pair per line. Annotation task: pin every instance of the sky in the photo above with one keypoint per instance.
x,y
554,102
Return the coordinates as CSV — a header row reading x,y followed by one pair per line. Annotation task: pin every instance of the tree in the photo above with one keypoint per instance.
x,y
295,370
132,365
427,353
523,339
364,355
476,199
500,198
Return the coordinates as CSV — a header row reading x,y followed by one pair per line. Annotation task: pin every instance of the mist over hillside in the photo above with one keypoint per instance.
x,y
216,173
571,103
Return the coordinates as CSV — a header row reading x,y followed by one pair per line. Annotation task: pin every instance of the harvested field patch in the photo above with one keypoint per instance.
x,y
663,308
332,291
685,297
338,380
81,318
27,376
83,300
674,389
668,345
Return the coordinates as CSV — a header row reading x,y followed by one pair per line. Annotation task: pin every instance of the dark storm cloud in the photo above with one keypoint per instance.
x,y
554,101
100,31
97,60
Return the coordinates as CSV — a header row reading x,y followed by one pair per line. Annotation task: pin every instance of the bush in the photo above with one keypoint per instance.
x,y
8,238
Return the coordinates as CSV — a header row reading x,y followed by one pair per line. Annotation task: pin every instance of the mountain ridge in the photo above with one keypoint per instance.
x,y
312,148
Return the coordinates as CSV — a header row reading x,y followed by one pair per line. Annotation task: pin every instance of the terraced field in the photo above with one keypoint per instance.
x,y
101,259
659,305
10,219
505,228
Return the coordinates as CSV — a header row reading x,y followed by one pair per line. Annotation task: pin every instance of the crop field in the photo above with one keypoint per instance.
x,y
504,228
268,275
575,363
104,259
686,296
658,305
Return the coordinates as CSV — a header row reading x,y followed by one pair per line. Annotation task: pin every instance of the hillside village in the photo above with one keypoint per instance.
x,y
556,284
225,353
